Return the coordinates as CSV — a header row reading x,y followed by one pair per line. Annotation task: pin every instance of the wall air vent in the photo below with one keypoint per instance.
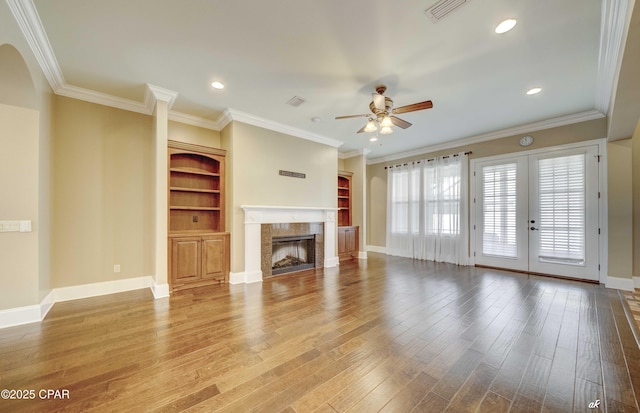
x,y
295,101
443,8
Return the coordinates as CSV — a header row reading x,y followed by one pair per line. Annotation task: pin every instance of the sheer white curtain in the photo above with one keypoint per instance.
x,y
427,210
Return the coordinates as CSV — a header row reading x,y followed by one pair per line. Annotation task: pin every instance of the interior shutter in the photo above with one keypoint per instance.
x,y
561,186
499,210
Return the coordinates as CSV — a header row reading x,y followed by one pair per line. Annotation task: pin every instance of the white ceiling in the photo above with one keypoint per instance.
x,y
332,53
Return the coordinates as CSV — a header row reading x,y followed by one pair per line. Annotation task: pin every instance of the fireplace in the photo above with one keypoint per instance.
x,y
292,253
302,242
262,223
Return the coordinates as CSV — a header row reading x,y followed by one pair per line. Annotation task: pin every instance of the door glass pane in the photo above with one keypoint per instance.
x,y
561,189
499,210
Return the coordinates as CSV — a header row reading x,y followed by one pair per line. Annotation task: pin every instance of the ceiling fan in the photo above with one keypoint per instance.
x,y
382,113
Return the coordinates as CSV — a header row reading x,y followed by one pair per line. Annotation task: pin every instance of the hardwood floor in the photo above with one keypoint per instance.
x,y
389,334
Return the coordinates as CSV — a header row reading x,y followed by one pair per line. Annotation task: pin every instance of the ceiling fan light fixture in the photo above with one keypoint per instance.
x,y
386,130
386,122
506,25
371,126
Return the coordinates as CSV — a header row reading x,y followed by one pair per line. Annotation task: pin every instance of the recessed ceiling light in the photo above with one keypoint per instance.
x,y
316,119
373,139
505,26
534,91
217,85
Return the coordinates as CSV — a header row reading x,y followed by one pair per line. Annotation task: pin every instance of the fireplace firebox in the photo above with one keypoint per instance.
x,y
292,253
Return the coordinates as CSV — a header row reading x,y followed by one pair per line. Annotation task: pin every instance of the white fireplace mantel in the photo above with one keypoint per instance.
x,y
256,215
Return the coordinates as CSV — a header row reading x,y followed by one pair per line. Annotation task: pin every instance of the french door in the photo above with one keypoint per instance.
x,y
539,213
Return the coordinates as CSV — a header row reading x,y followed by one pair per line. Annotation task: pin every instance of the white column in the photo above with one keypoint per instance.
x,y
161,102
330,234
252,252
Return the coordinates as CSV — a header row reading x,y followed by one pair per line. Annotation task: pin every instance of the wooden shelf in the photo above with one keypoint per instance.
x,y
193,171
344,198
183,189
191,208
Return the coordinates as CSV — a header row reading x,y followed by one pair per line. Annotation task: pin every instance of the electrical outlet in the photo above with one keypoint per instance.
x,y
195,218
116,268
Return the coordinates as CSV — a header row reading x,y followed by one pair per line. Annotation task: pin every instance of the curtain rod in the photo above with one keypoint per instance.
x,y
427,160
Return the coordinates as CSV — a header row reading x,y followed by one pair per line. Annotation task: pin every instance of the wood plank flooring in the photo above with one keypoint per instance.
x,y
386,334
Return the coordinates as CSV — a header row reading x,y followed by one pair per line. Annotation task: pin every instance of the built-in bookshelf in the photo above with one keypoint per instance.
x,y
344,198
199,246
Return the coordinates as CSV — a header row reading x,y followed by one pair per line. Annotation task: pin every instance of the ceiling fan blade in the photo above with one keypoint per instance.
x,y
427,104
361,130
378,101
400,122
351,116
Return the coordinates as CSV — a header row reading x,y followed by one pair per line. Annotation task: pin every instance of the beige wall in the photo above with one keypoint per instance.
x,y
358,165
19,188
620,205
257,156
45,180
24,86
377,176
376,205
16,87
192,134
636,200
102,193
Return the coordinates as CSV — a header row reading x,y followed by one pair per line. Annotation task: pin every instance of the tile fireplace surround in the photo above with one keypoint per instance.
x,y
256,215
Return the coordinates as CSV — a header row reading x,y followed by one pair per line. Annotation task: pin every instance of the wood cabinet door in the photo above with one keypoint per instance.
x,y
352,236
185,259
214,252
342,240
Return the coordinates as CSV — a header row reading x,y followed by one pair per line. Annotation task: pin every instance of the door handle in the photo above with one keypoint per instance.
x,y
534,229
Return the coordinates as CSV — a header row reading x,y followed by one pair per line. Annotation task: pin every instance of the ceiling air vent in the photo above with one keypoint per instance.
x,y
295,101
443,8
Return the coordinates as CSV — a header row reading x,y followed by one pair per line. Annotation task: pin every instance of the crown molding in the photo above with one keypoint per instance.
x,y
614,23
26,15
250,119
503,133
193,120
357,152
154,93
92,96
224,119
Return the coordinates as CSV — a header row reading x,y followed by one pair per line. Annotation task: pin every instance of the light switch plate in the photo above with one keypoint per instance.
x,y
9,226
25,226
15,226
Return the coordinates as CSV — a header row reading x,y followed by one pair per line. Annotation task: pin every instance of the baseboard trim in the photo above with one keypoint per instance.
x,y
20,315
160,290
331,262
47,302
37,312
636,282
618,283
245,277
375,248
77,292
362,255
